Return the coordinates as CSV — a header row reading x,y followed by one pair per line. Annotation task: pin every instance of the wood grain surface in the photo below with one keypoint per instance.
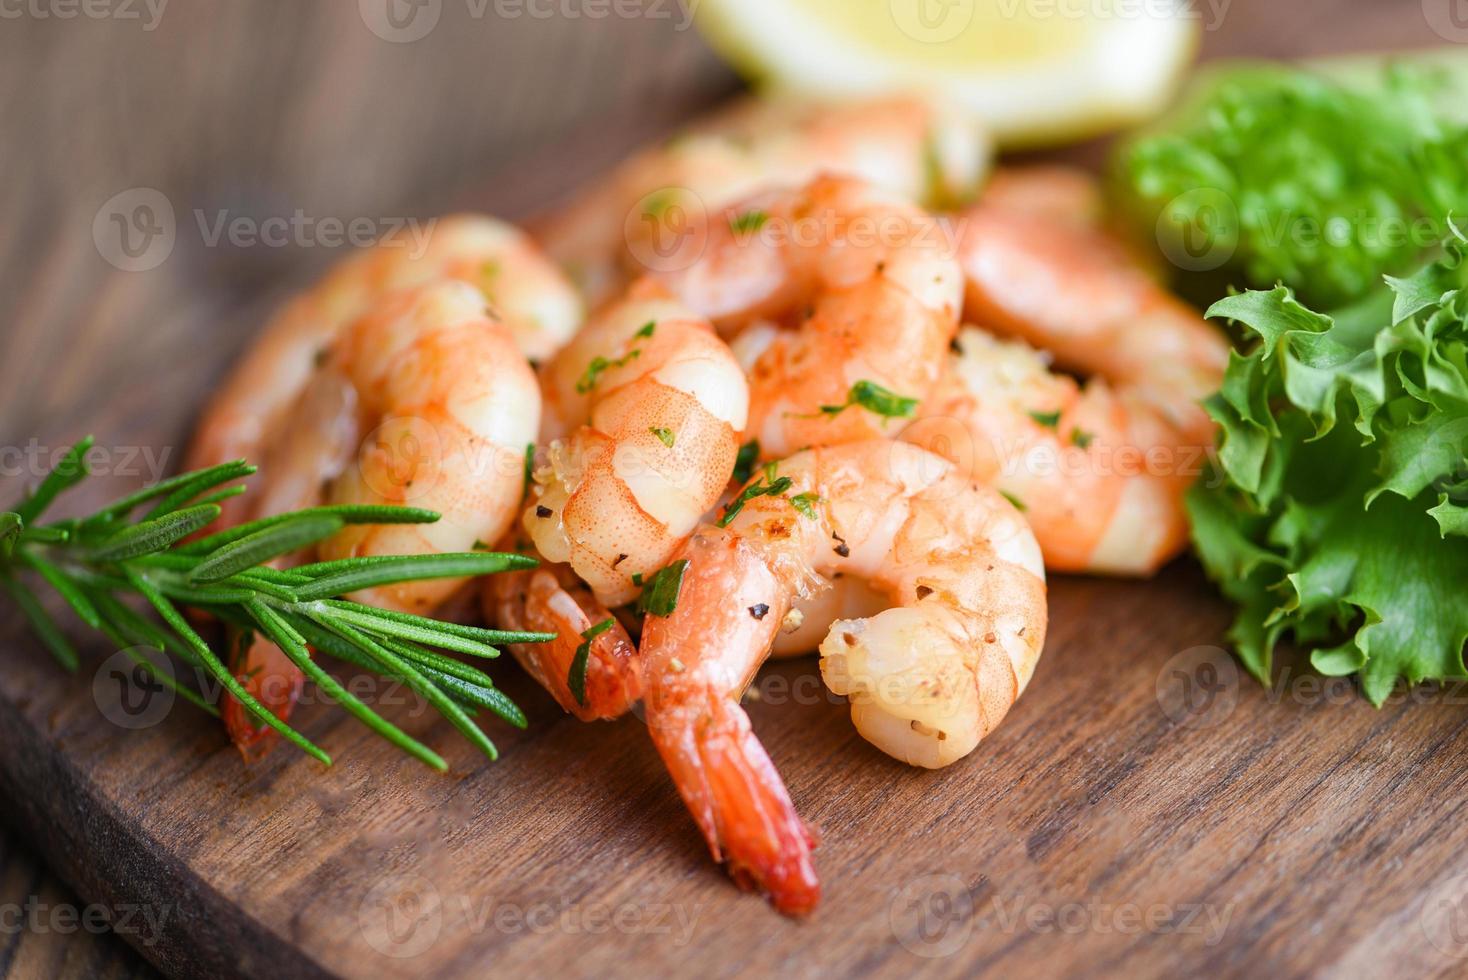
x,y
1142,811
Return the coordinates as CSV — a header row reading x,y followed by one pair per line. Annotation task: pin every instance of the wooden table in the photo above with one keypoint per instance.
x,y
1143,809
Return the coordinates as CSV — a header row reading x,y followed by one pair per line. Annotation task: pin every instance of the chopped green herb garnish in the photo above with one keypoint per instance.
x,y
637,579
1019,505
749,221
1049,420
1081,438
806,503
529,470
744,462
874,398
664,435
576,679
656,204
660,594
599,364
774,489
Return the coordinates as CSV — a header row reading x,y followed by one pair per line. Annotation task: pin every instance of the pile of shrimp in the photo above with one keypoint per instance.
x,y
857,316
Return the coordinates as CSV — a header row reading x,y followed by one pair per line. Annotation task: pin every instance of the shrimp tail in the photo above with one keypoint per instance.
x,y
270,678
731,787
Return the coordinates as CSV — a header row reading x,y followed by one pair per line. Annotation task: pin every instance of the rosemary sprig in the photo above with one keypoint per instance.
x,y
90,561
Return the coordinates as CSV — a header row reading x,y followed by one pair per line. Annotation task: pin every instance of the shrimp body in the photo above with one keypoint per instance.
x,y
300,425
247,416
1074,292
1101,468
927,677
644,410
659,402
448,404
911,146
424,402
834,288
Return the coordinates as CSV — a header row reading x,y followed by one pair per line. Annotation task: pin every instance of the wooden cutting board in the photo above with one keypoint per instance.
x,y
1143,808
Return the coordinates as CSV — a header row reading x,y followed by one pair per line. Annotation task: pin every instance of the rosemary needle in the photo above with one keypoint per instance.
x,y
92,560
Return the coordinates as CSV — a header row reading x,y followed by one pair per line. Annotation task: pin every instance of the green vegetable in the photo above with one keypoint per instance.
x,y
1323,182
660,594
665,435
89,561
749,221
576,679
1338,516
745,462
874,398
806,503
756,489
1049,420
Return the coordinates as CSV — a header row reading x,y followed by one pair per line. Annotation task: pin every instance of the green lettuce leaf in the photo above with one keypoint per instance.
x,y
1320,180
1337,513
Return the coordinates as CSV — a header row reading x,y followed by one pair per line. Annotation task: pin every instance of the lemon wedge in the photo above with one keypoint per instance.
x,y
1035,71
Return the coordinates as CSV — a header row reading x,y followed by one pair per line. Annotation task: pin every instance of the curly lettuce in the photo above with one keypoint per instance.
x,y
1323,180
1337,515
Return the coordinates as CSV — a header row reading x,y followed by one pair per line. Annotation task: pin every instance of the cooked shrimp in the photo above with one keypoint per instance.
x,y
442,405
246,417
913,147
449,405
1102,469
552,600
1071,291
927,678
869,288
645,408
658,402
276,389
